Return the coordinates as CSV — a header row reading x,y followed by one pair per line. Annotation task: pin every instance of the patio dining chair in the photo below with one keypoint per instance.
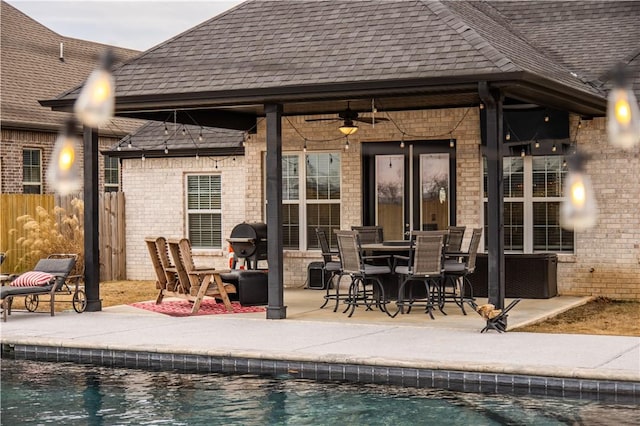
x,y
425,267
454,239
456,286
369,234
366,288
332,268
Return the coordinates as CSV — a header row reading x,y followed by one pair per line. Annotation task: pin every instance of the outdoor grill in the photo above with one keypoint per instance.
x,y
249,242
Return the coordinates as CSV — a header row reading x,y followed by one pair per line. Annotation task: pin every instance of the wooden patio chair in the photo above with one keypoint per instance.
x,y
426,267
166,274
196,282
48,277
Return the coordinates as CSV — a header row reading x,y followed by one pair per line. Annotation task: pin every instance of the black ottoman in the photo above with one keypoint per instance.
x,y
251,286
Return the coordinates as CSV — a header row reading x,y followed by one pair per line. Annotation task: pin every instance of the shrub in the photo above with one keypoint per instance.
x,y
52,232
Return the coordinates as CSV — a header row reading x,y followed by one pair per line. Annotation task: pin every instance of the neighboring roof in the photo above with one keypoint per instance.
x,y
151,140
299,51
32,70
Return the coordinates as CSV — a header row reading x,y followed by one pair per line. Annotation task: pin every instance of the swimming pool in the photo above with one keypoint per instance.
x,y
73,394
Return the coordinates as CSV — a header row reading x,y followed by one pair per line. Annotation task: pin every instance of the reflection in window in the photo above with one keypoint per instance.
x,y
32,171
390,194
434,194
111,174
204,211
537,205
318,207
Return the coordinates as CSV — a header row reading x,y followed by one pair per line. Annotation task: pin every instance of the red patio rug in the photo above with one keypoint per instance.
x,y
182,308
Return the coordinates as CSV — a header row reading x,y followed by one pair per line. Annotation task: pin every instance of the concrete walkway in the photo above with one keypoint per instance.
x,y
451,342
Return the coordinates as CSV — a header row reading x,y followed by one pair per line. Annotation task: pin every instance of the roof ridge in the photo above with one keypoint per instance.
x,y
481,44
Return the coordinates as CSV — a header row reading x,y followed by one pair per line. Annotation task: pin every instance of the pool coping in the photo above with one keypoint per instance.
x,y
463,378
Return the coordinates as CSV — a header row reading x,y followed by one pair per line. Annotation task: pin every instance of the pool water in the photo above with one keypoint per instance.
x,y
72,394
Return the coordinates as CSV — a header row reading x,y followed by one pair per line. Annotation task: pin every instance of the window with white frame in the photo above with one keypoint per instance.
x,y
32,171
311,198
111,174
532,199
204,210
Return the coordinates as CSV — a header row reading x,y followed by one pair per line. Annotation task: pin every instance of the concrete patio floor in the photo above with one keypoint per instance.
x,y
304,305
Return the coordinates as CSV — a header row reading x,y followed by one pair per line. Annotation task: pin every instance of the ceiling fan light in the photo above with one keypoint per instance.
x,y
348,129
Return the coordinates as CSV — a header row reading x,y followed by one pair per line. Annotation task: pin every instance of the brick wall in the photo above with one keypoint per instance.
x,y
155,205
424,123
606,260
14,141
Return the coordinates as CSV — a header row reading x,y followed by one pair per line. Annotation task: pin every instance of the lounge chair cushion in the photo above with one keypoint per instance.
x,y
32,279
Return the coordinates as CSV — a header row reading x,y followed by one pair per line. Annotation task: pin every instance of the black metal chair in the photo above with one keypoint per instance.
x,y
369,234
425,267
366,288
332,268
455,284
454,240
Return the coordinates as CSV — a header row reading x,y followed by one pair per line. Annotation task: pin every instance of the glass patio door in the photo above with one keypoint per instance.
x,y
408,188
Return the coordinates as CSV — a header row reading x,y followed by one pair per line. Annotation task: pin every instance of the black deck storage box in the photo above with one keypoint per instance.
x,y
529,276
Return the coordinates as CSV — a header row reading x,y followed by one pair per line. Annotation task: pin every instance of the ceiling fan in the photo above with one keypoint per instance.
x,y
348,117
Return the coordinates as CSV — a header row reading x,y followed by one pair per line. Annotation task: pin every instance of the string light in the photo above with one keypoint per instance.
x,y
304,147
346,144
554,148
129,145
143,157
451,142
63,174
508,136
200,135
96,103
166,129
402,141
166,148
184,130
623,114
537,145
523,152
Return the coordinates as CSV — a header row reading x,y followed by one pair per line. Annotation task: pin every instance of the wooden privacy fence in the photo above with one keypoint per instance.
x,y
112,229
112,236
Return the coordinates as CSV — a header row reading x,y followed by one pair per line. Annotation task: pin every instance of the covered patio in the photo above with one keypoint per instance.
x,y
260,65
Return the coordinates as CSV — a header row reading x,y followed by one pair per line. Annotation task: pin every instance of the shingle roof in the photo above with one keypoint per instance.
x,y
275,43
262,45
31,70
